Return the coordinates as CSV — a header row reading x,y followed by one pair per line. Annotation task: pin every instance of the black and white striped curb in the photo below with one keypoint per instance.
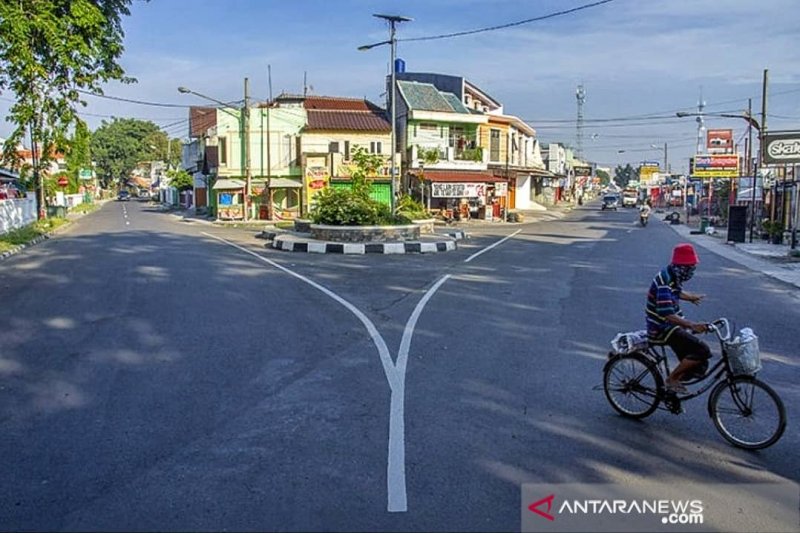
x,y
21,247
415,247
456,234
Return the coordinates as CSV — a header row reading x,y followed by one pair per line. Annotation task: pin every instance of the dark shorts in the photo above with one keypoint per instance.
x,y
686,345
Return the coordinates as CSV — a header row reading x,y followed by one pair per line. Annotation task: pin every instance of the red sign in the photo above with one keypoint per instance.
x,y
63,182
720,140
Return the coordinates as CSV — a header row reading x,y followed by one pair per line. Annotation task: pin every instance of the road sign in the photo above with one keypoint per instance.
x,y
85,174
63,182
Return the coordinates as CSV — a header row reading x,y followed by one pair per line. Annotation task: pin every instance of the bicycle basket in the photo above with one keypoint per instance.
x,y
629,342
743,354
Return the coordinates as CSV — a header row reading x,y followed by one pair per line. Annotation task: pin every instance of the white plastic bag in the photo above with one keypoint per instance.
x,y
630,341
743,353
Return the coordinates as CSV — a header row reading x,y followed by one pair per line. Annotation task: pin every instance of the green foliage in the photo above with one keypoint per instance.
x,y
180,179
118,146
367,166
84,208
410,208
49,51
354,207
14,238
605,179
78,153
161,148
773,228
623,175
470,154
428,155
347,207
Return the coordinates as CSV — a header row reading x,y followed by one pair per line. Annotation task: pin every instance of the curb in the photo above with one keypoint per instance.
x,y
22,247
348,248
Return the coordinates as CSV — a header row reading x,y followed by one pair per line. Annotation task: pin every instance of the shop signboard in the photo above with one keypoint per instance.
x,y
582,171
648,173
720,140
782,147
317,178
501,188
716,166
458,190
85,174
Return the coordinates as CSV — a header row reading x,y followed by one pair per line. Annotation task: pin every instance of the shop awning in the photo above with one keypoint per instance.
x,y
281,183
228,184
459,176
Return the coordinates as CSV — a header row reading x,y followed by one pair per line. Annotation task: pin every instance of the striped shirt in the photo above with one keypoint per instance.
x,y
663,301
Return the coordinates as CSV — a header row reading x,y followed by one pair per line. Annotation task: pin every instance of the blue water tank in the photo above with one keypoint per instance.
x,y
399,66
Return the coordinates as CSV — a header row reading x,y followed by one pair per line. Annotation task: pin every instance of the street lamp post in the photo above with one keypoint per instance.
x,y
244,135
392,42
751,123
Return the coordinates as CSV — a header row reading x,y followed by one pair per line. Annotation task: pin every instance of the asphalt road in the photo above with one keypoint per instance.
x,y
157,374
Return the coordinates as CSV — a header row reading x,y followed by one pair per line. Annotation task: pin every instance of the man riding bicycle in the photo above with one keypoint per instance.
x,y
666,323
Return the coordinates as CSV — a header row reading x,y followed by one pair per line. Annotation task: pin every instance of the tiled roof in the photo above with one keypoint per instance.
x,y
424,97
201,119
461,176
339,103
347,121
455,103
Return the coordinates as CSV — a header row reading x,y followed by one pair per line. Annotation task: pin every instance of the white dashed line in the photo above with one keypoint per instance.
x,y
501,241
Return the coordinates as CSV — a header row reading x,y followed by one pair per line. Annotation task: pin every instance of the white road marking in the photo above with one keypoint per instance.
x,y
501,241
397,499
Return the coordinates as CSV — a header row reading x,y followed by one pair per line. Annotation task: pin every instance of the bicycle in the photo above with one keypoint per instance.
x,y
747,412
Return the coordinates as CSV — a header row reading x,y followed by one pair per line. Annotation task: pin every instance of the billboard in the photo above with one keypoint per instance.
x,y
458,190
648,173
720,140
716,166
782,147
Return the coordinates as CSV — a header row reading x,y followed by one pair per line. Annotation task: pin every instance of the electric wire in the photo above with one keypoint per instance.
x,y
508,25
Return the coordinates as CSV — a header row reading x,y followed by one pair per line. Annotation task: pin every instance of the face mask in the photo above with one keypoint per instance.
x,y
683,272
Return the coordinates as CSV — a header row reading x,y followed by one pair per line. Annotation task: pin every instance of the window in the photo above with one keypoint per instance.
x,y
222,150
376,147
347,150
494,145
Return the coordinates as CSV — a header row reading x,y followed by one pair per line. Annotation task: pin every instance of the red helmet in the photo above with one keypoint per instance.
x,y
684,254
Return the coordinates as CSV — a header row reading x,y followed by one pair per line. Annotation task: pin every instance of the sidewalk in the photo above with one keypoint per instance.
x,y
772,260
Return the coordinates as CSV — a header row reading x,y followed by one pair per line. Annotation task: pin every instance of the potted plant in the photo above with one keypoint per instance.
x,y
774,230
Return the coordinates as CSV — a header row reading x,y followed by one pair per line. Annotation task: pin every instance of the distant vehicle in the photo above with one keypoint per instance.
x,y
610,201
630,198
123,196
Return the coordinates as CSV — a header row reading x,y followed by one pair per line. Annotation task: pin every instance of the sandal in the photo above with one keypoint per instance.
x,y
677,387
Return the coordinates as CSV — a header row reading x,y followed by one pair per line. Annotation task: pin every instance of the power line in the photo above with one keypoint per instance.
x,y
509,25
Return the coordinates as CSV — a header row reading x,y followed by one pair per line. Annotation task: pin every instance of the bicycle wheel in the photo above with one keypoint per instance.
x,y
632,384
747,412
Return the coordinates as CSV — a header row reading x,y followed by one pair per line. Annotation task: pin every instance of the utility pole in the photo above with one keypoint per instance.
x,y
762,132
580,95
750,170
246,148
269,143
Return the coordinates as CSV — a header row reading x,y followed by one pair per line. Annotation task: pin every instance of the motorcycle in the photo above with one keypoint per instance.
x,y
643,219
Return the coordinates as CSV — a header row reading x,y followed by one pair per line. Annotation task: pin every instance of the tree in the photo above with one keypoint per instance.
x,y
118,146
49,52
180,179
162,148
605,179
78,154
623,175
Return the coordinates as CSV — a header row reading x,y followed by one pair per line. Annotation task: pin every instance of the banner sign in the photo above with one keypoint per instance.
x,y
501,188
716,166
317,178
782,147
648,173
458,190
719,140
582,171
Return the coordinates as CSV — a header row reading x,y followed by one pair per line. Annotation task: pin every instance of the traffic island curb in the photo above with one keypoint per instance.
x,y
292,244
22,247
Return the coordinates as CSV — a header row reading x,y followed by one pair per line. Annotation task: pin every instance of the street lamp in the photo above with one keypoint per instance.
x,y
751,123
244,135
392,20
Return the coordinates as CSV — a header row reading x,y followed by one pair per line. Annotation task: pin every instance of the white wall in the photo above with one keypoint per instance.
x,y
17,213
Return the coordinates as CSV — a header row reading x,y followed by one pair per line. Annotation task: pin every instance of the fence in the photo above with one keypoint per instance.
x,y
17,213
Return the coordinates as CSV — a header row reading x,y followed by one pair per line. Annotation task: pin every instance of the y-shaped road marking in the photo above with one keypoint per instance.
x,y
395,371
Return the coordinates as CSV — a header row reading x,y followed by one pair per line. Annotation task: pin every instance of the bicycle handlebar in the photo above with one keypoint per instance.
x,y
717,325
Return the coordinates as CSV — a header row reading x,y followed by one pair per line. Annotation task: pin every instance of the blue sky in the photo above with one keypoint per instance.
x,y
634,57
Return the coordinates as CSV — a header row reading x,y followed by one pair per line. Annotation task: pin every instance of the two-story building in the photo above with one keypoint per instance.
x,y
507,147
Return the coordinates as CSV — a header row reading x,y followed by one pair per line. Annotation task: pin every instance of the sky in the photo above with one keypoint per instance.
x,y
639,61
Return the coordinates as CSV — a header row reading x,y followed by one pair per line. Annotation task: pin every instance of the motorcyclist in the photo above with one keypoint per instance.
x,y
644,212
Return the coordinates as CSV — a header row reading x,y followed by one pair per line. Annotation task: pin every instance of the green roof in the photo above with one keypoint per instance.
x,y
426,97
